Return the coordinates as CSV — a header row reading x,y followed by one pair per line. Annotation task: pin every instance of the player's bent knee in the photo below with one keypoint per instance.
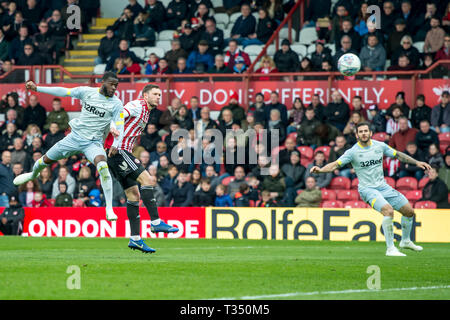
x,y
99,158
387,211
407,210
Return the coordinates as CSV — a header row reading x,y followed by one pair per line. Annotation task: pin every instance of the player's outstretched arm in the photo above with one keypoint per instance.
x,y
410,160
325,169
55,91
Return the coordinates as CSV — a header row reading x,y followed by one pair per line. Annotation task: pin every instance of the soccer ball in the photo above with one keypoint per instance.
x,y
349,64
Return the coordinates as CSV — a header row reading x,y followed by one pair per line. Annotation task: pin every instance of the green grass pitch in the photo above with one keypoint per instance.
x,y
36,268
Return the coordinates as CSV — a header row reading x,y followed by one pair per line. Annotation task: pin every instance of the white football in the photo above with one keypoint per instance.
x,y
349,64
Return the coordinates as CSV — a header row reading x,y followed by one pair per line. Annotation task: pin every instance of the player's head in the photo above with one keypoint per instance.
x,y
152,94
109,84
363,132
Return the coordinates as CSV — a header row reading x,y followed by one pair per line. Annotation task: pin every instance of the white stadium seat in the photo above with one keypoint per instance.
x,y
234,17
138,51
166,2
222,18
100,68
284,34
331,47
419,45
226,33
164,44
311,48
271,50
308,35
253,49
217,3
156,50
253,58
166,35
299,49
221,26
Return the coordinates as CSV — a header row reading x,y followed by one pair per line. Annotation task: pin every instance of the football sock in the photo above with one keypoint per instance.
x,y
406,227
38,166
148,197
134,219
106,181
388,229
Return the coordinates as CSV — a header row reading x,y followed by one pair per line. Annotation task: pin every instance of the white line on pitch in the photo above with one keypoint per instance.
x,y
314,293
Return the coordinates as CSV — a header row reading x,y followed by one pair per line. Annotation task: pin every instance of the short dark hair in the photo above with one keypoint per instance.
x,y
357,97
108,75
435,167
421,97
411,143
445,93
310,109
362,124
149,87
243,187
205,180
57,99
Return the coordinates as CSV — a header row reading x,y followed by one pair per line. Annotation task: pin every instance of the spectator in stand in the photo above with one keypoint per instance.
x,y
29,57
19,155
239,178
244,26
122,52
403,136
337,151
152,64
132,67
32,132
233,53
40,201
183,118
435,37
17,44
444,52
168,181
264,29
286,59
219,65
168,116
318,107
227,121
294,170
85,184
194,111
275,123
407,49
346,47
205,122
399,102
45,182
327,66
135,8
144,34
440,115
120,68
275,183
176,11
296,115
239,65
236,109
284,156
174,54
206,196
337,21
27,192
7,188
319,55
242,197
425,137
306,134
11,76
337,113
388,18
420,112
349,130
33,12
274,9
392,125
258,108
58,30
275,104
124,26
163,68
7,139
57,115
223,199
200,60
189,37
200,15
323,180
108,45
161,150
358,106
45,44
311,196
213,36
413,22
409,170
17,169
157,14
266,200
373,55
266,66
424,19
372,30
435,190
63,176
13,104
12,218
347,30
444,171
394,39
63,199
182,193
34,113
362,19
434,156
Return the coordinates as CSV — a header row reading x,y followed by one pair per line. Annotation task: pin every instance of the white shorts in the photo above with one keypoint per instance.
x,y
74,144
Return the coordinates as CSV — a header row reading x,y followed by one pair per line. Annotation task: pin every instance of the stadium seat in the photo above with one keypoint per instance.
x,y
163,138
355,183
276,150
166,2
253,49
52,201
299,191
419,45
332,204
164,44
444,141
443,148
347,195
308,35
340,183
138,51
222,18
305,162
100,68
380,136
284,34
78,203
226,181
156,50
331,47
293,135
407,183
356,204
234,17
423,182
306,152
166,35
271,50
227,33
414,195
253,58
425,205
217,3
300,49
390,181
311,49
324,149
328,195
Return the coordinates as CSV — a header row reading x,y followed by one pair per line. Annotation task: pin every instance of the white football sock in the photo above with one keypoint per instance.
x,y
135,238
388,229
106,181
155,222
406,227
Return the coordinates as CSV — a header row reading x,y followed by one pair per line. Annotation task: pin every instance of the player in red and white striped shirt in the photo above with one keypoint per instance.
x,y
129,171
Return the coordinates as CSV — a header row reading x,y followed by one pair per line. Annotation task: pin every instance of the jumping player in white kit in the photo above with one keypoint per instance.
x,y
366,157
129,171
99,109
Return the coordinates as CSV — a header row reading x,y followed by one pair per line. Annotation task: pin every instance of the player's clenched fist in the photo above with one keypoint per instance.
x,y
314,169
30,85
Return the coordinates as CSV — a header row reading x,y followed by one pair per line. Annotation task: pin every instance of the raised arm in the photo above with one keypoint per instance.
x,y
402,157
325,169
56,91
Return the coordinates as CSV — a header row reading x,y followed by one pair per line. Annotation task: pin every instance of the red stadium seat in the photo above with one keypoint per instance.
x,y
406,183
325,149
380,136
444,138
227,180
78,203
423,182
390,181
414,195
293,135
305,162
443,148
52,201
340,183
306,152
448,197
328,195
347,195
355,183
276,150
332,204
356,204
425,205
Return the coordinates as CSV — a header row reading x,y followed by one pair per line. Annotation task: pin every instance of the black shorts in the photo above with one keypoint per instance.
x,y
125,168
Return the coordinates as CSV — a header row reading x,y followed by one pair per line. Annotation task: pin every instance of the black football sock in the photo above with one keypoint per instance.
x,y
134,218
148,197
